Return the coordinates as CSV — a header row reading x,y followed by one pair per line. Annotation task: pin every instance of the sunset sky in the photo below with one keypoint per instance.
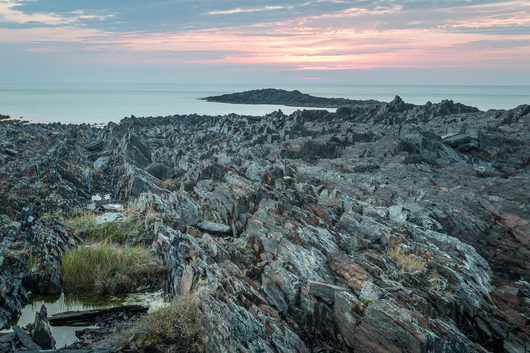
x,y
392,41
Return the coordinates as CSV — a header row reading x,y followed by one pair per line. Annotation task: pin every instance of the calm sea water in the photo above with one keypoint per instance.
x,y
91,103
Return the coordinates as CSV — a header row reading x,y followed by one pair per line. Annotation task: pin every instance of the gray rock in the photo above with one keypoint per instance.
x,y
11,152
110,217
96,145
213,227
41,333
159,170
457,140
101,163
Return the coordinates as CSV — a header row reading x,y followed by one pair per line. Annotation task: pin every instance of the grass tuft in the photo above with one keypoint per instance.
x,y
175,325
85,226
407,263
107,268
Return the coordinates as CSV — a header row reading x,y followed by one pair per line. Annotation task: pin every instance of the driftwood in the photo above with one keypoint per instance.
x,y
76,317
64,351
24,338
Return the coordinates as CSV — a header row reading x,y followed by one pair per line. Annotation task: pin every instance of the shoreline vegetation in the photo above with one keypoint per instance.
x,y
377,227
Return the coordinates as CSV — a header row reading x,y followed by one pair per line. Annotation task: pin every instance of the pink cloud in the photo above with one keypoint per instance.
x,y
332,41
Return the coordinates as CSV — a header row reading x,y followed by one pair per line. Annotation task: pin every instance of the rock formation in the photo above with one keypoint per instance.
x,y
378,228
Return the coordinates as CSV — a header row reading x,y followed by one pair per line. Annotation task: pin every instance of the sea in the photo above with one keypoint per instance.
x,y
102,103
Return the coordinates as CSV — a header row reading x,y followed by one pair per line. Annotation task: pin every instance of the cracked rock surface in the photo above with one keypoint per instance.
x,y
379,228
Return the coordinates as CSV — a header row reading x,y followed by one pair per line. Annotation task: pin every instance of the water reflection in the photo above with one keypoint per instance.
x,y
65,335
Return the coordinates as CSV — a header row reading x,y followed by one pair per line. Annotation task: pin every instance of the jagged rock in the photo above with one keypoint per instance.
x,y
372,229
48,283
96,145
41,332
507,294
137,151
457,140
159,170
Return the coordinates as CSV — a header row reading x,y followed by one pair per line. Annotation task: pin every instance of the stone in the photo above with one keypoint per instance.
x,y
111,217
96,145
457,140
213,227
11,152
41,332
101,163
159,170
507,294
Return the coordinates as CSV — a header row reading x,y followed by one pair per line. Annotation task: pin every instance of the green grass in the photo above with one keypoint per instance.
x,y
107,268
85,226
176,325
407,263
206,215
34,261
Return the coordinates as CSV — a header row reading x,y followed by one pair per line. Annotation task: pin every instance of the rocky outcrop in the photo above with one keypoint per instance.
x,y
41,332
379,228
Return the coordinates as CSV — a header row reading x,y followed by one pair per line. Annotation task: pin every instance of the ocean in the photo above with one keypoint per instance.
x,y
102,103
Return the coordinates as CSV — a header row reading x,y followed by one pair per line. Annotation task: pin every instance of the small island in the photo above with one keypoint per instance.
x,y
282,97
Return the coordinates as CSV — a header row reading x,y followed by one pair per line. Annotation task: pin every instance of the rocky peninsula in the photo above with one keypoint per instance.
x,y
382,227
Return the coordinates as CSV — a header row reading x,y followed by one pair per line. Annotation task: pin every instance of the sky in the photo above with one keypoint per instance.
x,y
326,41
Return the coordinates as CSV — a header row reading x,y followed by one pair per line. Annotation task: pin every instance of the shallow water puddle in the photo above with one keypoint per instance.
x,y
65,335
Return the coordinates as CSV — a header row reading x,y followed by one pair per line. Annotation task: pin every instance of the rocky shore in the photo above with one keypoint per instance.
x,y
383,227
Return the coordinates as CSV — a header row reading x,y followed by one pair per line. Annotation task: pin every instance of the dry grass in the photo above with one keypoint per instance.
x,y
175,325
108,268
170,184
407,262
85,226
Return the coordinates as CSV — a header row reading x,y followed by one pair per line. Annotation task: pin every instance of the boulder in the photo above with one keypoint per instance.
x,y
101,163
110,217
41,332
216,228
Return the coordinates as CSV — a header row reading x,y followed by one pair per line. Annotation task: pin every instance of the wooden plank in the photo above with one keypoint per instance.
x,y
73,317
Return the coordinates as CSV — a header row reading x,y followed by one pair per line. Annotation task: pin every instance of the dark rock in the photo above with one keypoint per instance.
x,y
280,96
159,170
457,140
507,294
41,334
137,151
344,111
48,283
398,105
96,145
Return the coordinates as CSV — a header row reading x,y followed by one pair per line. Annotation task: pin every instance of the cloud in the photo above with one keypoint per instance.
x,y
298,35
10,13
240,10
42,35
